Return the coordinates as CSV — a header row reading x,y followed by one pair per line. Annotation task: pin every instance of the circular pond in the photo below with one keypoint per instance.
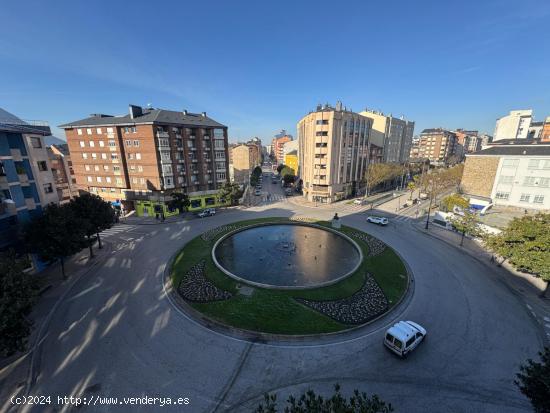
x,y
287,255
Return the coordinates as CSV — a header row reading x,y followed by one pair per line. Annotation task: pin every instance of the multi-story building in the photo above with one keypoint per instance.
x,y
509,174
545,133
26,181
438,145
393,134
513,126
245,157
140,158
291,160
535,130
63,173
277,145
467,141
333,153
290,146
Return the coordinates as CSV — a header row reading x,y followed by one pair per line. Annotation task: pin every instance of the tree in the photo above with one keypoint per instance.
x,y
466,224
309,402
96,214
287,170
378,173
17,295
280,167
450,201
230,192
57,234
255,176
534,381
179,201
411,187
289,179
525,243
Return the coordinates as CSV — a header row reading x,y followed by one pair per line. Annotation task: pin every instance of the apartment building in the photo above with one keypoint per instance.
x,y
63,173
515,125
244,158
514,174
545,132
26,181
333,153
438,145
277,145
393,134
467,141
138,159
291,160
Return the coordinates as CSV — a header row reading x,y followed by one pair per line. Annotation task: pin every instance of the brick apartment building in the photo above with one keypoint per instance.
x,y
63,173
140,158
438,145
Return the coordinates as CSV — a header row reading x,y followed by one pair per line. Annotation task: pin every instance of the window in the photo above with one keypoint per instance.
x,y
82,144
119,181
321,122
533,164
48,188
96,168
140,168
92,144
134,180
99,179
103,156
133,128
112,144
502,195
218,134
138,156
136,143
90,179
128,142
114,156
94,155
142,181
397,343
220,175
321,145
132,168
538,199
42,165
87,167
524,198
546,164
409,342
89,131
99,131
510,162
84,155
321,133
101,144
35,142
109,130
79,131
116,169
529,181
130,156
544,182
105,167
506,179
126,129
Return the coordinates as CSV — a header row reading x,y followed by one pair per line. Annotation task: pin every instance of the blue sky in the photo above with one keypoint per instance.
x,y
258,66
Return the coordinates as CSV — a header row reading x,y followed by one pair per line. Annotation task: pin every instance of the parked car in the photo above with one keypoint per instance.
x,y
377,220
208,212
257,192
288,191
360,201
403,337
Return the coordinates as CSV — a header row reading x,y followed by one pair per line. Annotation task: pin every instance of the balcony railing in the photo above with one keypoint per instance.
x,y
206,137
162,134
191,136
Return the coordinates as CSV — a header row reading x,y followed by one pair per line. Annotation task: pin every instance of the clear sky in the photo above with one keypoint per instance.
x,y
259,66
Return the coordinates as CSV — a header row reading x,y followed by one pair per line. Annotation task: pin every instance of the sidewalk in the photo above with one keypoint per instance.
x,y
14,370
374,200
134,220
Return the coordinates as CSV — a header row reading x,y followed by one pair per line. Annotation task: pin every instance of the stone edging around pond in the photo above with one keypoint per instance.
x,y
364,305
195,287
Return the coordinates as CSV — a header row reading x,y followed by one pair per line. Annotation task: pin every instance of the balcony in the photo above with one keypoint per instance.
x,y
207,148
162,134
210,181
206,137
178,135
219,149
209,171
192,149
191,136
7,207
181,160
194,160
164,160
207,159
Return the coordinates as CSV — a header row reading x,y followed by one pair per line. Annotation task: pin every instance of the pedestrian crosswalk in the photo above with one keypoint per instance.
x,y
116,229
273,198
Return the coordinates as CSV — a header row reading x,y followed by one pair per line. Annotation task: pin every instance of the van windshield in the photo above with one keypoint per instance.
x,y
389,338
397,343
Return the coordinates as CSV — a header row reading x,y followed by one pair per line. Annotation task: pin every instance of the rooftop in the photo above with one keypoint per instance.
x,y
533,149
139,115
11,123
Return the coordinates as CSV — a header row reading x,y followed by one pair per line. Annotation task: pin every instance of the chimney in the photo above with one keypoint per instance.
x,y
135,111
185,112
203,114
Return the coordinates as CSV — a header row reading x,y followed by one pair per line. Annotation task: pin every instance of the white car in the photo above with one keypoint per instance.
x,y
257,192
207,213
403,337
377,220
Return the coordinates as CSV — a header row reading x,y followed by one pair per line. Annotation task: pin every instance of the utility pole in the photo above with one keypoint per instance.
x,y
429,207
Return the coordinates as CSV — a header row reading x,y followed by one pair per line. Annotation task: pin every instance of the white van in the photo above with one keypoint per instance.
x,y
403,337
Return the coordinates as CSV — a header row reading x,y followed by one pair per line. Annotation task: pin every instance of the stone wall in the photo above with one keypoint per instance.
x,y
479,175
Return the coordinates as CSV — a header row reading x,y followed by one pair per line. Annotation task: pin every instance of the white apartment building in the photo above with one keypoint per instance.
x,y
333,152
395,135
513,126
290,146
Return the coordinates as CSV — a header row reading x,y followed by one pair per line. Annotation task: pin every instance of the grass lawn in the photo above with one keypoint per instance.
x,y
275,311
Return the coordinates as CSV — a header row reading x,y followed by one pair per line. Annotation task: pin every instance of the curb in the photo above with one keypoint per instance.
x,y
265,338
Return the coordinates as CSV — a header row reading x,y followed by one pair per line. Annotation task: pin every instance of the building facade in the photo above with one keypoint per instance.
x,y
393,134
245,157
145,155
333,153
511,174
438,145
26,181
513,126
545,132
277,146
63,173
291,160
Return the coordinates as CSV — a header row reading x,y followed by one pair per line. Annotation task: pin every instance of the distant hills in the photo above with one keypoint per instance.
x,y
53,140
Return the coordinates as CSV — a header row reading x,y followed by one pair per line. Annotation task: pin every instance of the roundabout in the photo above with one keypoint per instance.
x,y
280,277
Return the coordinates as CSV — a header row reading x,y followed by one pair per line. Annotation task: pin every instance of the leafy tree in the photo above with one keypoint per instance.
x,y
450,201
17,295
96,215
179,201
466,224
57,234
230,191
309,402
411,187
280,168
286,171
255,175
525,243
534,381
289,179
378,173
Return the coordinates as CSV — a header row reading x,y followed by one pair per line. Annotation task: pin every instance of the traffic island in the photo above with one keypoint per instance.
x,y
372,287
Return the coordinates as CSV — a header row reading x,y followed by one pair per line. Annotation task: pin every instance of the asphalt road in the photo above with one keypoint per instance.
x,y
117,335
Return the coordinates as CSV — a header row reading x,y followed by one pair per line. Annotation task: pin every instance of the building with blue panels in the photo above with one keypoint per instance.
x,y
26,181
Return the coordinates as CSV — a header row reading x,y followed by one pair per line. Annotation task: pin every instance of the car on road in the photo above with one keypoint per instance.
x,y
208,212
360,201
377,220
403,337
257,192
288,191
